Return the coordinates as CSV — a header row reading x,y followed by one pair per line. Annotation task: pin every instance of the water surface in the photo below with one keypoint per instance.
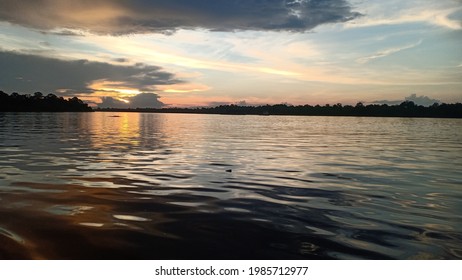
x,y
172,186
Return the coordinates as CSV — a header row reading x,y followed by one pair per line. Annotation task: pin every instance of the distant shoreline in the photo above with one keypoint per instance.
x,y
405,109
51,103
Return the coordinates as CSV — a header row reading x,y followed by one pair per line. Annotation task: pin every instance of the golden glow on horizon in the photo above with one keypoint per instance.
x,y
124,91
183,88
203,100
113,87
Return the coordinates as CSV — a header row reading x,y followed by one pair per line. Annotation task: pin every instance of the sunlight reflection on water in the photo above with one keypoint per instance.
x,y
88,185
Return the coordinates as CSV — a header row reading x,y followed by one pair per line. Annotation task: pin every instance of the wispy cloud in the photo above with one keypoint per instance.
x,y
387,52
394,12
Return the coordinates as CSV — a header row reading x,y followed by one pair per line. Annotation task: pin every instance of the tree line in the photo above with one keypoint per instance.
x,y
38,102
405,109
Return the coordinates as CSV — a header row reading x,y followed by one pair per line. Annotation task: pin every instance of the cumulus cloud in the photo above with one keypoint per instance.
x,y
422,100
419,100
142,100
111,102
145,100
28,73
145,16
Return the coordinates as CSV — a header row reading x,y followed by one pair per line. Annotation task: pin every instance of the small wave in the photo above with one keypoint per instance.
x,y
11,235
130,218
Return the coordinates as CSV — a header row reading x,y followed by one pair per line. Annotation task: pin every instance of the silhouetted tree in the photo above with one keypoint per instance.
x,y
39,103
38,95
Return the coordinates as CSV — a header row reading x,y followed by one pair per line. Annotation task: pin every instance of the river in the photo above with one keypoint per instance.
x,y
175,186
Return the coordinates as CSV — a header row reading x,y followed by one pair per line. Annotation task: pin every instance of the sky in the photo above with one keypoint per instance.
x,y
183,53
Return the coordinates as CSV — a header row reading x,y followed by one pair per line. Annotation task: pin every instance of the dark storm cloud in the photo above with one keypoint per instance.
x,y
27,73
165,16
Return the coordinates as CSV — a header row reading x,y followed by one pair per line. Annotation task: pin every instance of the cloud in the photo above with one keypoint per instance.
x,y
419,100
64,32
111,102
445,14
387,52
29,73
422,100
166,16
142,100
145,100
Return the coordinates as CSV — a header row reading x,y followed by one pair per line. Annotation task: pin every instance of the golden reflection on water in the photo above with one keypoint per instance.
x,y
114,130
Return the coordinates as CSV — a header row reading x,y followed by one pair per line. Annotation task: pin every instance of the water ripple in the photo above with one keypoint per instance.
x,y
154,186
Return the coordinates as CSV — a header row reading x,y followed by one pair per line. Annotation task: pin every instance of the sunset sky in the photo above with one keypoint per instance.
x,y
208,52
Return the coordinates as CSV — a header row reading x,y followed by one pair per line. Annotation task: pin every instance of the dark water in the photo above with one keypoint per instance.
x,y
159,186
